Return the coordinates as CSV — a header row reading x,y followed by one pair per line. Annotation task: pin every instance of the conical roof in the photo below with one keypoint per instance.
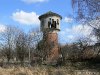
x,y
50,13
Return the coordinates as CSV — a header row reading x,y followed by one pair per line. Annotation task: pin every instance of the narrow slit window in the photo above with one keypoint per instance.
x,y
57,21
49,23
50,19
52,24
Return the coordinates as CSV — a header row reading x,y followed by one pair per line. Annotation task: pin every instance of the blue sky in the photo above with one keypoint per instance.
x,y
8,7
24,14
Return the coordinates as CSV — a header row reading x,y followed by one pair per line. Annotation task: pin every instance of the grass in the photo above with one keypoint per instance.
x,y
45,70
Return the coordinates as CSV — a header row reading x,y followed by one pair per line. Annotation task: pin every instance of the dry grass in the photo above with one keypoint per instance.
x,y
44,71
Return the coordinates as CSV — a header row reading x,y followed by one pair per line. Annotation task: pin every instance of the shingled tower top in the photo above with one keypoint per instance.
x,y
50,13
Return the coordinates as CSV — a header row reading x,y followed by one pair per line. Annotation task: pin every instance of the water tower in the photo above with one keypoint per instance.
x,y
50,26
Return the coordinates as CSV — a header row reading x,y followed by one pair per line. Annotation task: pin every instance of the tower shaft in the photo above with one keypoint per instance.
x,y
51,46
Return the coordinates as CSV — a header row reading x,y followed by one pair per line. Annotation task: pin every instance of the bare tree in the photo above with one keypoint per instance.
x,y
8,41
86,9
21,46
30,46
32,39
14,43
37,42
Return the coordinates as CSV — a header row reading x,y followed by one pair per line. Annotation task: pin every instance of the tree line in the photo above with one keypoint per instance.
x,y
17,45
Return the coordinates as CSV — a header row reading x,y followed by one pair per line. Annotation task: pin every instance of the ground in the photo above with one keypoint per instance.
x,y
46,70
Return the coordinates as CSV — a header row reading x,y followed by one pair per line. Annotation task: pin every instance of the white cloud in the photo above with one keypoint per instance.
x,y
84,30
79,30
68,19
27,18
2,28
33,1
75,32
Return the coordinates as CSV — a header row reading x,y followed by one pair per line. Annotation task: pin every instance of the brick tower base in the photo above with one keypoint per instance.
x,y
51,47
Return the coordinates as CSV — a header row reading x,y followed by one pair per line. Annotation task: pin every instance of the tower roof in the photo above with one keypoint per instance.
x,y
50,13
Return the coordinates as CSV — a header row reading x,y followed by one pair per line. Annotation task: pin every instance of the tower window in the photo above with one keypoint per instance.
x,y
49,24
54,24
50,19
57,21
